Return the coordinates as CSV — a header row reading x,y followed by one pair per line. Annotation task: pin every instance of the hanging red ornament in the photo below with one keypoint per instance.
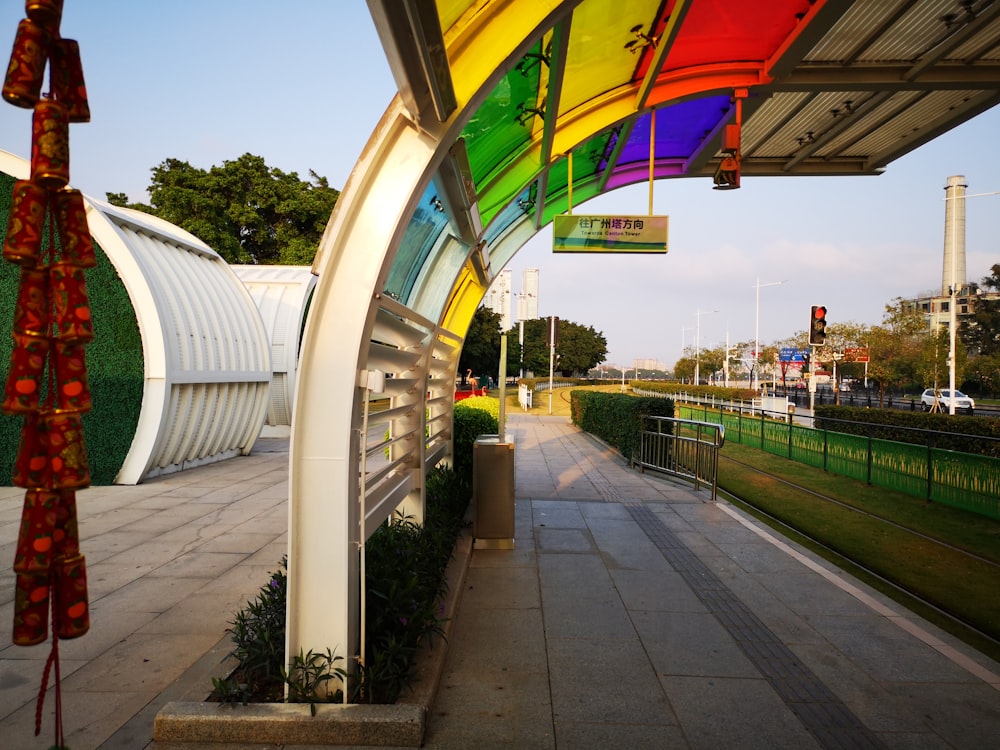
x,y
71,308
67,451
26,70
36,543
31,467
72,383
31,609
50,145
66,76
74,233
26,374
48,13
72,614
25,223
31,310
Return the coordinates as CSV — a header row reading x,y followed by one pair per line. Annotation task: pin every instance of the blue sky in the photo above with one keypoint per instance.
x,y
303,83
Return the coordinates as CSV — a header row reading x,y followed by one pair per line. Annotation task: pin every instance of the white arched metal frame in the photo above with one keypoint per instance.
x,y
326,501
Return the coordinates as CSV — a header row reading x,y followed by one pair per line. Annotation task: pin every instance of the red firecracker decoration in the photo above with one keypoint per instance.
x,y
47,236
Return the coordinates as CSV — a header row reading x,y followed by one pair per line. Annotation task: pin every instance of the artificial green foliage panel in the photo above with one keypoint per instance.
x,y
114,365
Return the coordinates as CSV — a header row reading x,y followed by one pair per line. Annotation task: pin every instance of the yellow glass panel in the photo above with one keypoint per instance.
x,y
465,298
597,60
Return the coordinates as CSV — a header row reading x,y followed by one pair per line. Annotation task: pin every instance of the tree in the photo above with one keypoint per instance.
x,y
981,334
897,347
579,347
684,369
481,352
244,210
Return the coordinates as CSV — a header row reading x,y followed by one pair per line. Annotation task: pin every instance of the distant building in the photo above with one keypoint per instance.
x,y
527,302
936,307
498,296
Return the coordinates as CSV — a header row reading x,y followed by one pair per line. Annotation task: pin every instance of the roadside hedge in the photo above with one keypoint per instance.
x,y
616,418
471,420
957,433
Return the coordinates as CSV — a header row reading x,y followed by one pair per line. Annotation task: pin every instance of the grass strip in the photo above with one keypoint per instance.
x,y
945,577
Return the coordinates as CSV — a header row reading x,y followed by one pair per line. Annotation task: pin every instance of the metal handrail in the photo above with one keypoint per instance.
x,y
685,448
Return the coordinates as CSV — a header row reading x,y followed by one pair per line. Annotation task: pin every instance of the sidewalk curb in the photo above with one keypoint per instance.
x,y
402,724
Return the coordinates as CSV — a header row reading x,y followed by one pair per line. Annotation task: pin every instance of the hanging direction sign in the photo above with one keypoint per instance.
x,y
572,233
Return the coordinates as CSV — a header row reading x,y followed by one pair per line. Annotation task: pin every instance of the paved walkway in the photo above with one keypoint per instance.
x,y
168,564
631,613
635,613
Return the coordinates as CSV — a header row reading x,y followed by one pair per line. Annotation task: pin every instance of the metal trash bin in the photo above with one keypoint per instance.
x,y
493,493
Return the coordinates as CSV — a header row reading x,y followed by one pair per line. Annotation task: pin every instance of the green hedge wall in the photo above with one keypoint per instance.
x,y
957,433
616,418
469,423
114,364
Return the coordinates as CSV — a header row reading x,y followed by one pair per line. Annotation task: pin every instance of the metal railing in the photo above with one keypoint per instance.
x,y
962,480
684,448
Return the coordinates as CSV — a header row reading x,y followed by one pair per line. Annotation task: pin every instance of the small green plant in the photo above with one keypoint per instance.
x,y
258,635
406,566
308,675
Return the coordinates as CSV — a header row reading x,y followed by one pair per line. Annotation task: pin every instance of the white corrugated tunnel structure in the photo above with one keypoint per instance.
x,y
281,294
205,359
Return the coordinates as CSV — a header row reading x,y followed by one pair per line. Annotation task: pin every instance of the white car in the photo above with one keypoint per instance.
x,y
944,400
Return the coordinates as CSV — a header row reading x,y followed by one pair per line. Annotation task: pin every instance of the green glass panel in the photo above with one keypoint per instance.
x,y
502,127
589,161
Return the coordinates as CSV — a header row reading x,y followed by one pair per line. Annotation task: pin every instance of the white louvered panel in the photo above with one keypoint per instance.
x,y
387,359
397,387
279,412
392,330
437,449
249,407
382,500
257,398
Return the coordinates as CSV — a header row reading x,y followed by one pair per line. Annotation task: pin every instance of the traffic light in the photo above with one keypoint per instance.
x,y
817,325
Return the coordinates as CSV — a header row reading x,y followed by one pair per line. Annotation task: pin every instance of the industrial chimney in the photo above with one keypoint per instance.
x,y
953,269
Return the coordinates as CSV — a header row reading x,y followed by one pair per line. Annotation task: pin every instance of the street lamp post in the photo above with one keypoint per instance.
x,y
697,344
684,331
756,332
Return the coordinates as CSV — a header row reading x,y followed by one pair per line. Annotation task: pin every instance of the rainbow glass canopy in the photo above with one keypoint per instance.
x,y
824,88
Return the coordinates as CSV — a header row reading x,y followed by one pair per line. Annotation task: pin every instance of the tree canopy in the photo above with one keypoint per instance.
x,y
246,211
578,349
481,352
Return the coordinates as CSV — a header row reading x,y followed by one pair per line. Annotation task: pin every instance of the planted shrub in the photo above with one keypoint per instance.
x,y
405,580
616,418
